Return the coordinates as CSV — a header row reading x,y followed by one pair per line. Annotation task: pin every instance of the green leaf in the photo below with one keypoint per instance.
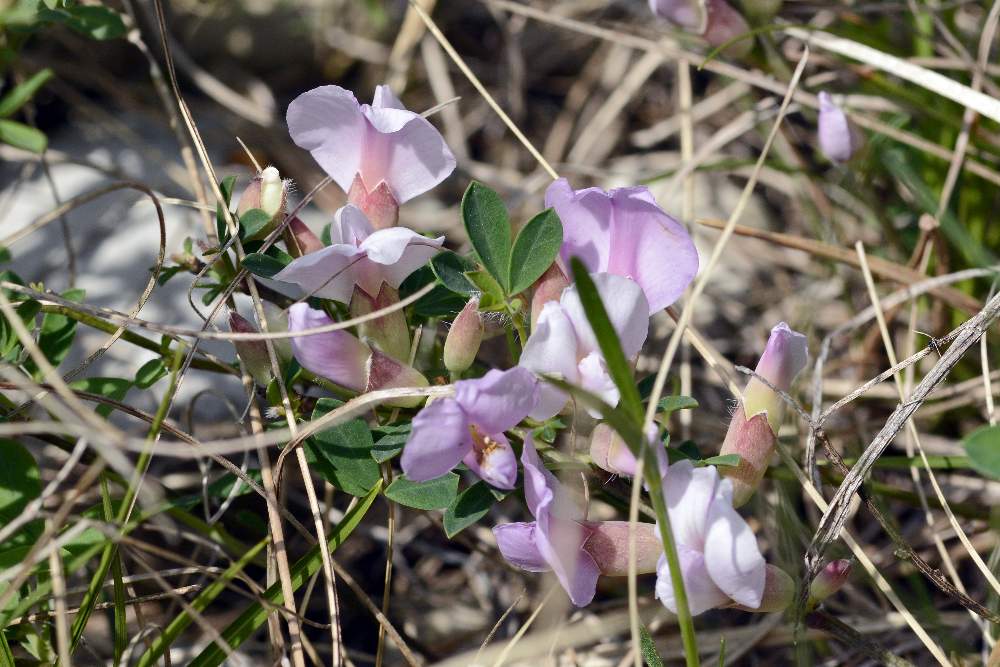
x,y
221,228
250,621
23,92
648,649
94,21
440,302
491,294
9,341
391,444
723,461
343,453
434,494
452,270
5,255
263,265
607,340
671,404
253,222
57,334
983,448
20,482
488,227
22,136
535,249
150,373
469,507
113,388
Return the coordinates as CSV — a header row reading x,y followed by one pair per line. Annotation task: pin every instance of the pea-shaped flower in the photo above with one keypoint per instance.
x,y
563,343
719,558
469,428
380,154
837,137
625,232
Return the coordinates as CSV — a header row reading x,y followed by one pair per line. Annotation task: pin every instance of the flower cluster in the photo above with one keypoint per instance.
x,y
640,261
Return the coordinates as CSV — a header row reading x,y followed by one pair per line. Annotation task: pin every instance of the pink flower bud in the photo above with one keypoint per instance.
x,y
252,352
390,332
754,426
547,288
300,240
466,333
384,372
268,193
608,546
830,580
379,205
779,591
837,137
609,452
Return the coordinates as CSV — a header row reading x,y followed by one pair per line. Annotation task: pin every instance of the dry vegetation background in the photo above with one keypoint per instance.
x,y
600,89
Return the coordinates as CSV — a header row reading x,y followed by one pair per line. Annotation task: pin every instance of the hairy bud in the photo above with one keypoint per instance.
x,y
300,240
268,193
466,334
609,452
253,353
830,580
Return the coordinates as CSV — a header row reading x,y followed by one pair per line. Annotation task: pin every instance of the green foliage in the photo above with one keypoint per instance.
x,y
535,248
22,93
469,507
391,443
266,265
648,649
254,224
113,388
342,454
10,344
221,226
983,448
671,404
150,373
434,494
440,302
488,227
453,271
22,136
57,334
20,481
94,21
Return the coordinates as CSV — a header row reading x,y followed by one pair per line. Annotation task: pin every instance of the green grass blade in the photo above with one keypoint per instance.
x,y
121,623
255,615
199,604
618,366
649,653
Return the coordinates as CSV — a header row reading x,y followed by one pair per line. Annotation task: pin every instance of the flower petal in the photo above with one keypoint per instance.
x,y
438,441
493,459
539,484
627,309
685,13
688,493
350,226
335,355
551,350
386,99
786,354
516,542
499,400
702,593
404,150
330,273
594,378
327,121
400,251
651,248
586,219
834,130
732,557
561,543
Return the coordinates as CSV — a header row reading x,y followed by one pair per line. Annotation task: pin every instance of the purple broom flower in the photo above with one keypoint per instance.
x,y
624,232
470,427
563,344
380,154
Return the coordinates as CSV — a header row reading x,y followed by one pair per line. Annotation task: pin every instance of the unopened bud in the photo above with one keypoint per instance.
x,y
838,139
779,591
754,426
266,192
252,352
830,580
715,20
300,240
378,205
608,545
609,452
547,288
385,372
466,334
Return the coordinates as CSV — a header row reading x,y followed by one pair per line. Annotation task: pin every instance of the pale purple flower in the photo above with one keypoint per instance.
x,y
719,558
555,540
359,256
343,359
836,138
563,343
470,427
380,143
625,232
715,20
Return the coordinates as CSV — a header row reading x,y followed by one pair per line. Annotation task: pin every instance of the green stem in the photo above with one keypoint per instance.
x,y
685,621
